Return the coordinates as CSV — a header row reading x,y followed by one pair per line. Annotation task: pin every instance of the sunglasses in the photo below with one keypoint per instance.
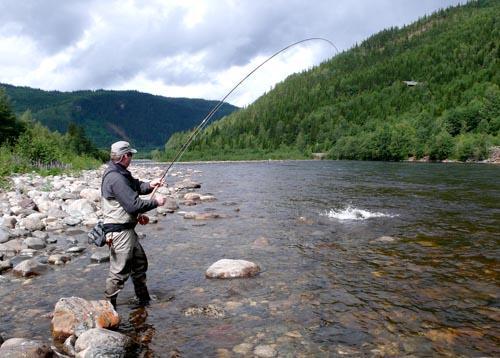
x,y
129,154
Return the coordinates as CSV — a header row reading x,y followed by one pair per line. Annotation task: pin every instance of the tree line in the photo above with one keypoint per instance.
x,y
430,89
27,145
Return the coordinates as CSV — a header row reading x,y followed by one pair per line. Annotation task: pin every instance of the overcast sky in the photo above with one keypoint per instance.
x,y
185,48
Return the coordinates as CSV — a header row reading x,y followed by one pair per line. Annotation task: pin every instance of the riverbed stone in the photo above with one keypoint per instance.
x,y
99,342
33,222
51,240
72,221
11,248
28,252
228,268
28,268
80,208
58,259
100,256
92,195
243,348
22,347
9,222
18,232
75,315
69,345
75,249
187,184
5,265
4,236
35,243
207,198
40,234
265,351
192,196
383,239
27,203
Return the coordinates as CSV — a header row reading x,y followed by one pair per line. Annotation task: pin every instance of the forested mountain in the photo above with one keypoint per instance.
x,y
428,89
145,120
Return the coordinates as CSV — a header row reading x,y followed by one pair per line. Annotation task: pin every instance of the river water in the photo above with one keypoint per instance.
x,y
329,285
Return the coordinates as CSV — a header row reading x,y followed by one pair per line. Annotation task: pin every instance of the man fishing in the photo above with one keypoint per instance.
x,y
122,209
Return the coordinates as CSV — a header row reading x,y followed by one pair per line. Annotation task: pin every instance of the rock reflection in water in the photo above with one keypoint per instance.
x,y
327,287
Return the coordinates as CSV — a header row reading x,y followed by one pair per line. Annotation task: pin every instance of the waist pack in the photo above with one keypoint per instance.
x,y
97,235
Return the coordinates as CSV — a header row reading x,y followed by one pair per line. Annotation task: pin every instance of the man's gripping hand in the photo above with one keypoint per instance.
x,y
156,182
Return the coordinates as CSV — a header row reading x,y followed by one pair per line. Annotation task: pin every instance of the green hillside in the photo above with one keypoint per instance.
x,y
358,105
145,120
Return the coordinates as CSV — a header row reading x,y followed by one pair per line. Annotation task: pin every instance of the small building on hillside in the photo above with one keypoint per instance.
x,y
410,83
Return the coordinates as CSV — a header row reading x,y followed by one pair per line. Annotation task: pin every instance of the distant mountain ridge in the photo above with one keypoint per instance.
x,y
429,90
145,120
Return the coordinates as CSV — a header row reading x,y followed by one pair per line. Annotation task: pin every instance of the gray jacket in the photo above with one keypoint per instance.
x,y
120,195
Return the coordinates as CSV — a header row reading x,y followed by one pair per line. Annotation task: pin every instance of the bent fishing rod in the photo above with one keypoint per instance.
x,y
212,112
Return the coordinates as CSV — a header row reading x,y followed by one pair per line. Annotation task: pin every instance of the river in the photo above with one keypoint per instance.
x,y
329,286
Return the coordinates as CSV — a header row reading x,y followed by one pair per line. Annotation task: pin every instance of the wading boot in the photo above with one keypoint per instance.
x,y
112,300
143,298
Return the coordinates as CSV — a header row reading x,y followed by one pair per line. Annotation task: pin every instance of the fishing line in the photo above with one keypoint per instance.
x,y
210,114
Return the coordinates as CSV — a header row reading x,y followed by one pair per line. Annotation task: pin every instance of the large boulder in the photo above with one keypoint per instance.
x,y
28,268
227,268
25,348
74,315
99,342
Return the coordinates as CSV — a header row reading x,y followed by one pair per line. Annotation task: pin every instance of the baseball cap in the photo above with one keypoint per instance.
x,y
122,147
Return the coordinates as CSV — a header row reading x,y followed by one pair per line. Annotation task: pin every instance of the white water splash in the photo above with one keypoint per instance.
x,y
351,213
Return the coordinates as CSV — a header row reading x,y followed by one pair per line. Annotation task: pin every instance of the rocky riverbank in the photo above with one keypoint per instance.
x,y
38,217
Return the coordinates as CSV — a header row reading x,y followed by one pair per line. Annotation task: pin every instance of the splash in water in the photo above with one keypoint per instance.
x,y
351,213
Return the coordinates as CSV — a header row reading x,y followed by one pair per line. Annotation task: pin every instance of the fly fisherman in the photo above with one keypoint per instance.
x,y
122,210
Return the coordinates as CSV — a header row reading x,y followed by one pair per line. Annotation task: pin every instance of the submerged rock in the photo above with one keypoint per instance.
x,y
99,342
265,351
75,249
29,268
209,310
22,347
58,259
383,239
74,315
227,268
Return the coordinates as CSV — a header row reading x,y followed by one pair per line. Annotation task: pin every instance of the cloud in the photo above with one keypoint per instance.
x,y
182,48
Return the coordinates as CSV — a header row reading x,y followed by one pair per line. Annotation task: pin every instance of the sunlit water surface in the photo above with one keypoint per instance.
x,y
326,287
